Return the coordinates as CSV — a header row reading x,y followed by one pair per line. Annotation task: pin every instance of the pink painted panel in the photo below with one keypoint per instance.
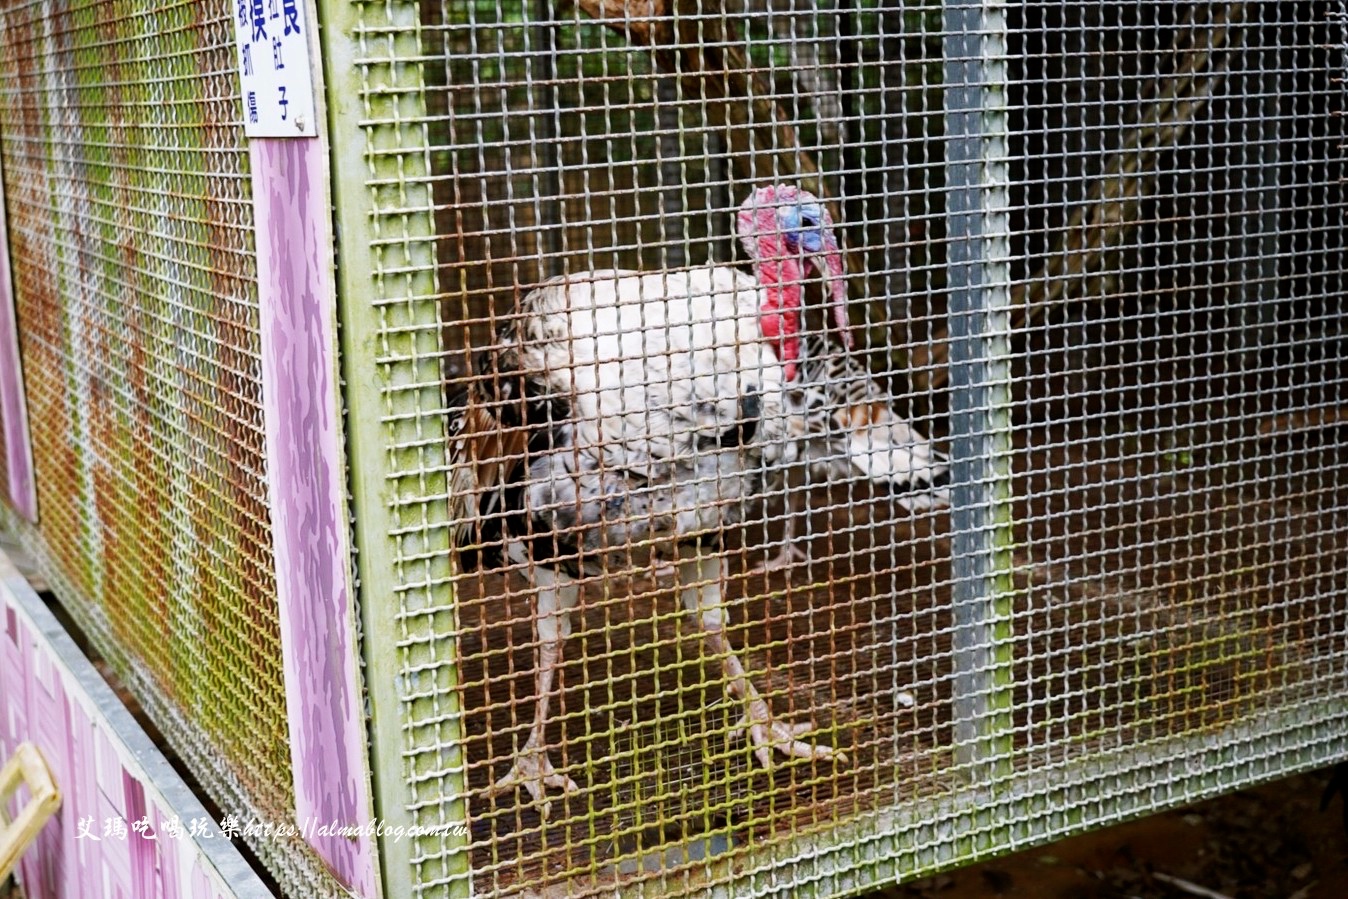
x,y
307,487
170,873
13,407
144,851
101,778
115,866
81,800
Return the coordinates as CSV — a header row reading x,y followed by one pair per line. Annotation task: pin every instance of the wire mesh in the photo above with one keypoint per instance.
x,y
130,222
1094,253
1181,486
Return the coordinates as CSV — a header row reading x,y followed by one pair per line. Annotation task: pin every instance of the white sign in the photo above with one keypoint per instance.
x,y
274,68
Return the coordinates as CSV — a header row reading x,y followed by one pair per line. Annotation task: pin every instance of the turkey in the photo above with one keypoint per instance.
x,y
624,421
850,430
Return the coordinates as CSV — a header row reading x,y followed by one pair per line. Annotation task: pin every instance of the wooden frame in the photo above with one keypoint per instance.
x,y
26,767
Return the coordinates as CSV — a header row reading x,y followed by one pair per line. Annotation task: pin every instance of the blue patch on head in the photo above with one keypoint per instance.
x,y
801,227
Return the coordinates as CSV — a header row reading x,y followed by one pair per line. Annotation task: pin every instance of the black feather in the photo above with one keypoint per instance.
x,y
517,403
746,428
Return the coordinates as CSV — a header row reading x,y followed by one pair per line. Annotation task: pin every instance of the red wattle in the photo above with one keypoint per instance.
x,y
781,330
779,315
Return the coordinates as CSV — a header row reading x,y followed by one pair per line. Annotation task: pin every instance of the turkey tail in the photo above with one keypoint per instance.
x,y
489,437
887,449
857,430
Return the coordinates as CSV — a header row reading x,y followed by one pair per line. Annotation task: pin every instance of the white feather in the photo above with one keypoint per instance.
x,y
892,452
653,364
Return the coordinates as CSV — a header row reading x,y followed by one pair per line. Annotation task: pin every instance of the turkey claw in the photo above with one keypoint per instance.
x,y
534,772
786,558
767,734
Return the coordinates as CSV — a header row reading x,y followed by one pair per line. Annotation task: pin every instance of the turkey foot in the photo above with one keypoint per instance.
x,y
533,770
767,734
789,555
701,587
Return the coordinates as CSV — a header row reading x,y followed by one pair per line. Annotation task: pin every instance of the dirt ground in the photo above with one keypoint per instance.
x,y
1269,842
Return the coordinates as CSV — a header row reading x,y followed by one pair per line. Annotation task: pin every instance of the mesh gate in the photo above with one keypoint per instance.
x,y
1093,257
1053,538
130,222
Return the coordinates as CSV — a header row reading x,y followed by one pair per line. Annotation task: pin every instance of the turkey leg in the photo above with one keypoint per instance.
x,y
557,595
700,582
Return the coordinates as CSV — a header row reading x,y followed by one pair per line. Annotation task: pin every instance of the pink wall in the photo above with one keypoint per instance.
x,y
52,696
307,487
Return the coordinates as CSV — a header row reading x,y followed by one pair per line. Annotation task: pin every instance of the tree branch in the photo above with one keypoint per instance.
x,y
705,52
1096,230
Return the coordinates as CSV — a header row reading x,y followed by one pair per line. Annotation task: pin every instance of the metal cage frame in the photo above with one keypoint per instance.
x,y
367,620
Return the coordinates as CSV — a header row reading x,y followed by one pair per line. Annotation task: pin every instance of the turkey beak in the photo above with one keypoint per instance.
x,y
829,262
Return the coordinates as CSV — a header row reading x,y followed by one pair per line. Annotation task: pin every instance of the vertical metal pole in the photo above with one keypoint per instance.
x,y
894,175
720,174
388,302
854,185
980,378
1261,248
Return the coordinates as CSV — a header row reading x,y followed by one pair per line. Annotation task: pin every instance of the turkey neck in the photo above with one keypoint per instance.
x,y
780,275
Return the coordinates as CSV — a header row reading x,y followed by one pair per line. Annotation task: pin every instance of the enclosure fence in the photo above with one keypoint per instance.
x,y
130,228
1058,540
1095,253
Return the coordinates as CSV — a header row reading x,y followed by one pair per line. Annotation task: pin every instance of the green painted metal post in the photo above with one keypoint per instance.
x,y
395,402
